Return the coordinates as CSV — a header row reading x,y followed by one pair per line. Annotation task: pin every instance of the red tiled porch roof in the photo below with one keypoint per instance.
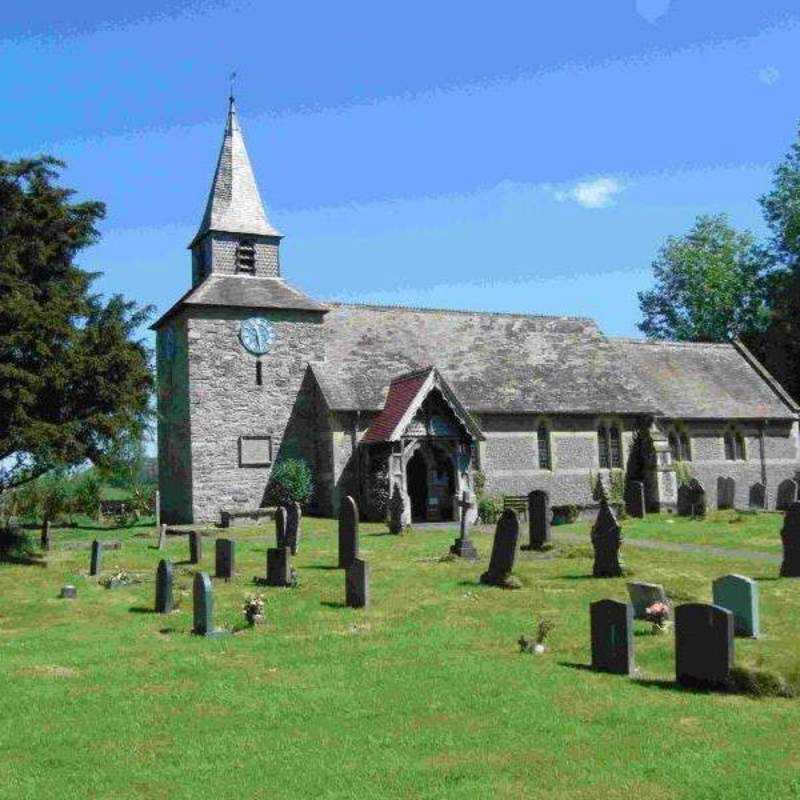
x,y
403,390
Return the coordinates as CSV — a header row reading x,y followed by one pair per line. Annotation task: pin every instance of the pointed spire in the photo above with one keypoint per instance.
x,y
234,204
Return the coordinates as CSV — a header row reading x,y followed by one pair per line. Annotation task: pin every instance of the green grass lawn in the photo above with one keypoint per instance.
x,y
424,694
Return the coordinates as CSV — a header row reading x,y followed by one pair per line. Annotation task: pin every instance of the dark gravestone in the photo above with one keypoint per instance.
x,y
45,535
281,520
396,508
279,567
634,499
790,537
758,496
703,645
96,559
68,592
538,520
787,494
691,499
203,605
356,583
504,551
348,532
224,551
195,547
726,493
612,636
463,547
606,541
164,602
644,595
293,516
739,595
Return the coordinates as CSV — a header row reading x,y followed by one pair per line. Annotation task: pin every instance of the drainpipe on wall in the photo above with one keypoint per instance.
x,y
763,453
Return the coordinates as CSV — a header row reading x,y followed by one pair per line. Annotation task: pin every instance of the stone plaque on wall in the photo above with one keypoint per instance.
x,y
255,451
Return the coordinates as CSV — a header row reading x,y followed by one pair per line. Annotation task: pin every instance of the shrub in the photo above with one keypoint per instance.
x,y
759,683
683,472
86,495
490,509
291,482
479,482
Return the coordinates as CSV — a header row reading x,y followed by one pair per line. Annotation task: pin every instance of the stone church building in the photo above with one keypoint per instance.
x,y
251,371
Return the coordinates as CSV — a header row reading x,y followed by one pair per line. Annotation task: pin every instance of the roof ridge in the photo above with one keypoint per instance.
x,y
669,342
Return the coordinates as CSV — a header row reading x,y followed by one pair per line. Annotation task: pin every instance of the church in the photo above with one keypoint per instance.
x,y
251,371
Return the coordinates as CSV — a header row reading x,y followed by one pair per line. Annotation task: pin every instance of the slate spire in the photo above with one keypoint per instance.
x,y
234,203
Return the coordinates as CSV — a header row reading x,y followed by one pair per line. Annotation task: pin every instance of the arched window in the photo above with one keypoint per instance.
x,y
730,451
686,447
734,445
602,446
543,439
738,439
246,256
609,444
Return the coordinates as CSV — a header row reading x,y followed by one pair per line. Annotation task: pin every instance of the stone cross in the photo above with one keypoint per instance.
x,y
703,645
348,532
643,595
612,636
790,537
224,552
504,552
396,509
195,547
203,596
294,513
279,568
96,559
164,601
356,584
162,537
607,541
280,527
539,518
740,596
634,499
462,546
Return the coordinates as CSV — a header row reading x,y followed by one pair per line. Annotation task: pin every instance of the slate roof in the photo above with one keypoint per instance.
x,y
244,291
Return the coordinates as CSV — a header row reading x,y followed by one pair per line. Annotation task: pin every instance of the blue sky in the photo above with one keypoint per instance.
x,y
521,156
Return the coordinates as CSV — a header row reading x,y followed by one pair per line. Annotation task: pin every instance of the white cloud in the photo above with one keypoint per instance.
x,y
596,193
769,75
652,10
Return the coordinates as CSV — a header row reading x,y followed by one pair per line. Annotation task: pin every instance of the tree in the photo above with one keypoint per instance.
x,y
74,383
709,285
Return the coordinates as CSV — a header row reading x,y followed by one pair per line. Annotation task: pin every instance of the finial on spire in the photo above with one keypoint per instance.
x,y
232,79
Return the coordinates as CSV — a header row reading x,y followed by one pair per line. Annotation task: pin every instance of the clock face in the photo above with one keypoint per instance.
x,y
256,335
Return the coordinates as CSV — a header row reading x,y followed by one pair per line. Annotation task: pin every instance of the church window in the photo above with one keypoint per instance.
x,y
615,442
246,257
602,444
543,439
609,443
734,446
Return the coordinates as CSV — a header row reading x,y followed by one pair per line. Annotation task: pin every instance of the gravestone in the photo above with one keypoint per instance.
x,y
195,547
279,567
157,508
726,493
348,532
643,595
45,535
538,520
281,520
396,508
463,547
164,601
162,537
758,496
634,499
68,592
504,552
203,595
357,584
703,645
691,499
790,538
224,551
606,541
740,596
293,516
787,494
612,636
96,559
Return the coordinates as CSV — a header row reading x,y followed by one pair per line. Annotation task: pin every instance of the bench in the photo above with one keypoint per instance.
x,y
517,504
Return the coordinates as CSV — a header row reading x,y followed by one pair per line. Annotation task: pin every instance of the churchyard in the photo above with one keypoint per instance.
x,y
424,692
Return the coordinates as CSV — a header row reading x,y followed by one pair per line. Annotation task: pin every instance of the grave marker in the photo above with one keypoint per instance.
x,y
726,493
357,584
281,539
643,595
68,592
157,509
612,636
691,499
195,547
463,547
162,537
739,595
790,538
203,596
396,508
787,494
634,499
224,552
504,552
606,541
279,567
758,496
164,600
703,645
539,517
45,535
348,532
294,514
96,558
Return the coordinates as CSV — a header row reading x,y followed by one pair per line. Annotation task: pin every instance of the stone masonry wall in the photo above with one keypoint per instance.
x,y
219,251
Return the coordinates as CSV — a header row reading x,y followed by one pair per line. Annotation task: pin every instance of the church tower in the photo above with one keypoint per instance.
x,y
235,235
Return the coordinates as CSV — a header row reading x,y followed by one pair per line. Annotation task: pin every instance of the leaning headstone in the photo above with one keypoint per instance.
x,y
348,532
606,541
164,601
224,552
634,499
203,595
279,567
790,538
612,636
96,559
463,547
758,496
396,508
294,513
504,552
703,645
691,499
726,492
787,494
740,596
643,595
68,592
538,520
162,537
356,584
280,527
195,547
